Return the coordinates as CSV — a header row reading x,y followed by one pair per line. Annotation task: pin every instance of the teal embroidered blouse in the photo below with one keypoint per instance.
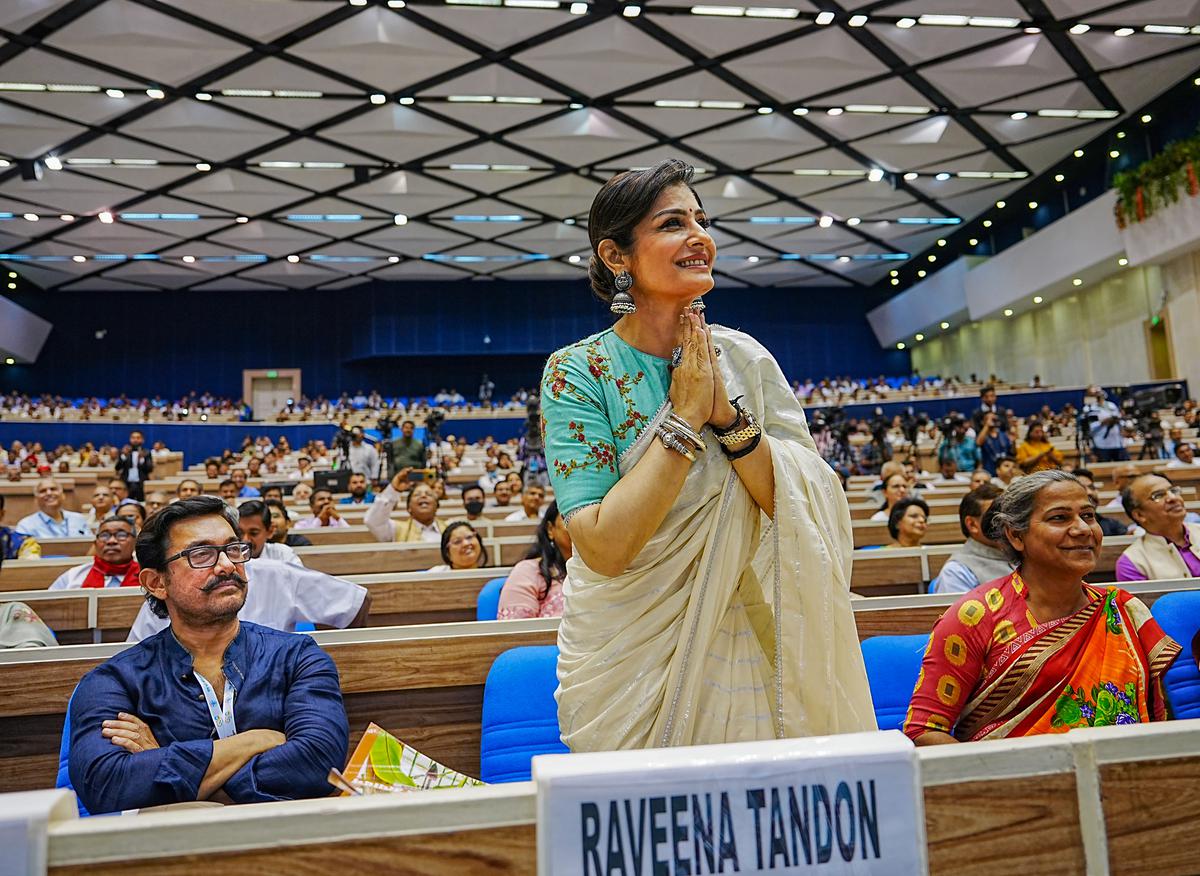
x,y
597,396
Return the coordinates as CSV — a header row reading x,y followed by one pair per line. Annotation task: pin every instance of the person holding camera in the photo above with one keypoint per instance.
x,y
994,441
422,523
957,443
1102,421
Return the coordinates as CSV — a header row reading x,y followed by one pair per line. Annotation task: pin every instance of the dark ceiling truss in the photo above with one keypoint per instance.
x,y
559,100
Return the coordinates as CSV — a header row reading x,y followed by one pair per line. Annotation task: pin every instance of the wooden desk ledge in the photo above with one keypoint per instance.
x,y
1078,798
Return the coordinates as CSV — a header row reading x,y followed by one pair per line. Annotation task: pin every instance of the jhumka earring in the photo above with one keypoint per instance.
x,y
622,303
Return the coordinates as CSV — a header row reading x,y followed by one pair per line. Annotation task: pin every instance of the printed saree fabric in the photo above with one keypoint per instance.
x,y
726,626
992,671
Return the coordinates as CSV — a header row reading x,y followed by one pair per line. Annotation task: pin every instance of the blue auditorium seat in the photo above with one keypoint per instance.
x,y
63,779
1179,616
487,604
520,717
306,627
893,663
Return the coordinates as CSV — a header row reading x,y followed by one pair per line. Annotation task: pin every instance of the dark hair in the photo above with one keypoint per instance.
x,y
470,487
313,498
550,559
620,205
972,504
132,526
1,501
154,540
883,507
136,505
179,485
900,509
446,534
226,481
1000,459
1127,501
256,508
275,503
985,389
122,480
1084,473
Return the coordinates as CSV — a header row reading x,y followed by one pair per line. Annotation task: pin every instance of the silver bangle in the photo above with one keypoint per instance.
x,y
671,441
682,427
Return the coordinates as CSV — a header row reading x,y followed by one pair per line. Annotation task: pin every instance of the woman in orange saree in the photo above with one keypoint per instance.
x,y
1040,651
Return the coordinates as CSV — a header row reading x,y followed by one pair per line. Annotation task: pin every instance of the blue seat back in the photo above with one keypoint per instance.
x,y
893,663
63,780
487,604
1179,616
520,716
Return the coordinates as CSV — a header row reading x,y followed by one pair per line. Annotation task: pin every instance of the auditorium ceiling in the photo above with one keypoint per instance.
x,y
272,144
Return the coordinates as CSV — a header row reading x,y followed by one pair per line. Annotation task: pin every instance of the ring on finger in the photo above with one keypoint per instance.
x,y
677,357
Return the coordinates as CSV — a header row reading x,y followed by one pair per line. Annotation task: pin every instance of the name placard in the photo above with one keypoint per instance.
x,y
831,805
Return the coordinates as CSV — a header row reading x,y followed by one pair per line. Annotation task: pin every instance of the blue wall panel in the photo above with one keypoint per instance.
x,y
402,338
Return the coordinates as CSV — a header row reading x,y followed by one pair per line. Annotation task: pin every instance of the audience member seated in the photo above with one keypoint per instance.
x,y
534,587
254,521
908,521
212,470
155,500
52,520
1122,475
302,492
102,506
1185,456
422,523
303,470
980,558
16,545
324,511
119,489
282,521
1006,472
979,477
133,511
228,492
112,566
187,488
244,491
1036,453
462,548
948,473
502,493
278,595
1040,650
531,504
143,723
20,627
1168,545
360,491
473,501
1107,525
895,488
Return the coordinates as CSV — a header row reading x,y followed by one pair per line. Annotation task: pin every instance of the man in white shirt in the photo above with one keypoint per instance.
x,y
102,506
254,520
422,523
324,511
1185,456
1122,475
363,458
51,520
531,504
1104,424
949,473
113,565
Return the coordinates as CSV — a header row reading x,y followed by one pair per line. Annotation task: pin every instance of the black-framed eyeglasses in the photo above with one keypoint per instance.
x,y
113,535
207,555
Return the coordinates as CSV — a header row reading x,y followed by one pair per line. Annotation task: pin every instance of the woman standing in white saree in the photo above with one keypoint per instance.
x,y
690,617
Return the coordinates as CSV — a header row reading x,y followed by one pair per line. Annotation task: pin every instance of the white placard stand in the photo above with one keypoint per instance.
x,y
849,804
24,819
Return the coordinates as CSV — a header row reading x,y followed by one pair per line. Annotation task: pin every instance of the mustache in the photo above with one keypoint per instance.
x,y
217,581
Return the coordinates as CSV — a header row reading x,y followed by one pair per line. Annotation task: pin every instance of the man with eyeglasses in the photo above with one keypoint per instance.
x,y
1168,546
112,566
214,708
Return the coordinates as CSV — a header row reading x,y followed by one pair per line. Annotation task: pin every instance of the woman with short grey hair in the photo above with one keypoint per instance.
x,y
1040,650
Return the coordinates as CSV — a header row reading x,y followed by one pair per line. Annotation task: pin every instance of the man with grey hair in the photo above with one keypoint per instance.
x,y
980,558
1169,545
52,520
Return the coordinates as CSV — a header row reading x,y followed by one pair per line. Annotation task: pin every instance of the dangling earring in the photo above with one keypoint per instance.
x,y
622,303
697,305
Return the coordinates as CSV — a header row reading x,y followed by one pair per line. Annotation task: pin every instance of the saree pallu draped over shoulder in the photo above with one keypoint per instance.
x,y
726,627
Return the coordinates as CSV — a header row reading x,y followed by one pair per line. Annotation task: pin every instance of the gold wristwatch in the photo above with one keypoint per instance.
x,y
731,436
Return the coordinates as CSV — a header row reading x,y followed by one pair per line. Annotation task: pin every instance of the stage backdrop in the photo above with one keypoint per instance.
x,y
401,338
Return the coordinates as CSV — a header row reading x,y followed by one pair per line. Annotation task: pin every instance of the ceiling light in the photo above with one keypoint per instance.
x,y
987,223
866,108
800,111
752,259
918,337
1058,177
772,12
293,93
358,2
400,219
573,259
1077,282
974,241
1114,154
941,242
293,259
72,89
114,92
944,20
722,104
1120,135
942,177
189,259
203,167
1000,205
579,8
825,221
569,221
900,346
905,23
931,257
378,99
393,259
1123,31
1165,28
105,217
532,4
67,217
945,326
852,221
834,111
1147,119
1008,311
396,4
1016,117
893,273
1098,114
79,258
895,282
52,162
1033,205
1058,113
1080,28
857,20
765,110
631,11
993,21
242,220
407,101
719,10
911,175
1122,261
824,18
203,95
875,174
1033,30
1037,299
31,217
921,273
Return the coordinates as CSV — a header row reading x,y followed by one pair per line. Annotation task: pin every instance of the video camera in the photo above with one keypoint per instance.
x,y
433,426
1142,407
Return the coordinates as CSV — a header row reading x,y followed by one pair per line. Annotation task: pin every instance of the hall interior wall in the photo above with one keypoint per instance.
x,y
402,338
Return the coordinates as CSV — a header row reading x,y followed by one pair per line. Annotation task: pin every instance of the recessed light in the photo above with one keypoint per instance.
x,y
400,219
941,242
918,336
1120,135
825,221
105,217
1080,28
1078,153
155,93
1037,299
114,92
987,223
1123,31
406,101
852,221
945,326
1114,154
921,273
906,23
1033,205
834,111
204,167
825,18
1077,282
378,99
857,20
800,111
911,175
203,95
79,258
1008,311
900,346
393,259
579,8
895,282
1147,119
1000,205
1122,261
631,11
242,220
31,217
67,217
942,177
752,259
974,241
293,259
10,361
1016,117
932,257
189,259
573,259
1058,177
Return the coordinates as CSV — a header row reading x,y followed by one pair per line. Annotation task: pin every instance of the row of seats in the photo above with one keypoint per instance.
x,y
520,718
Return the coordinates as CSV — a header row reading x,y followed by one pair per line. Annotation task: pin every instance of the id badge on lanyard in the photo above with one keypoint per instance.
x,y
222,716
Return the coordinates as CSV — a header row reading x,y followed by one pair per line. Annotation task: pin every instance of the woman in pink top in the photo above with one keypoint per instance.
x,y
534,586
